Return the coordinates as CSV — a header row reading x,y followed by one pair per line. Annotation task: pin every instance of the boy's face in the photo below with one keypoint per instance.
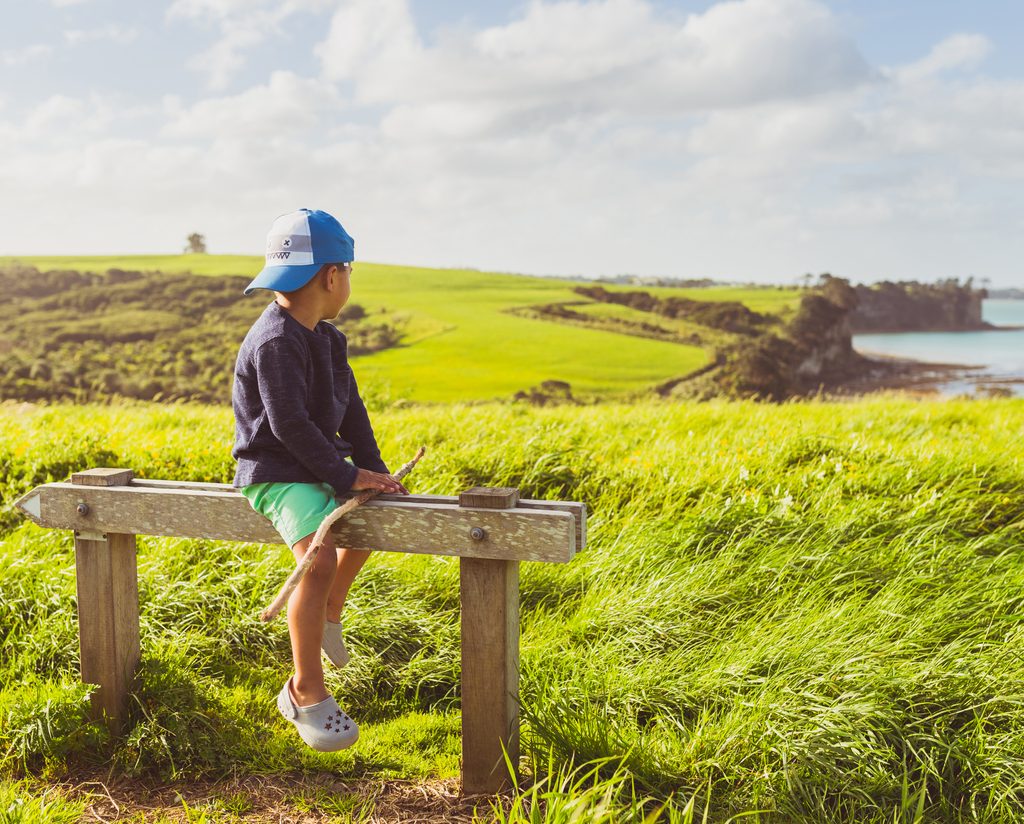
x,y
340,286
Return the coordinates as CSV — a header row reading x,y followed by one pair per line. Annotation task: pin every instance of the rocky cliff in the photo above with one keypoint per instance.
x,y
815,349
947,306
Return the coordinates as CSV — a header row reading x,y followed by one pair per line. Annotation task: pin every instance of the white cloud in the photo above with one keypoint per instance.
x,y
565,58
776,138
233,10
53,112
215,9
62,120
749,141
225,57
60,4
958,51
287,104
114,32
243,25
365,33
25,55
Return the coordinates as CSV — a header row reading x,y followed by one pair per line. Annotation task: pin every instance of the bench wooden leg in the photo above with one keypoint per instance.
x,y
489,591
108,619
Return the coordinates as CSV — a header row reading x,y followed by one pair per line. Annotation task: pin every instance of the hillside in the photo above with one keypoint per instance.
x,y
809,610
454,335
429,335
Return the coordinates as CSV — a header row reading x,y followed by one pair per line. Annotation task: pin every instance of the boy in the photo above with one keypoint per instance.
x,y
302,436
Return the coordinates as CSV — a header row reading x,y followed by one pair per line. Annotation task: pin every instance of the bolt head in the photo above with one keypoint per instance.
x,y
477,533
82,509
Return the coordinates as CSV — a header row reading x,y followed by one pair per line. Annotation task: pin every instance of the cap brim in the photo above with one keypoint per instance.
x,y
283,278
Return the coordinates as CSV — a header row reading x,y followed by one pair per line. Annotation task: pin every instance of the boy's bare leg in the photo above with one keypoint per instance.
x,y
306,615
349,562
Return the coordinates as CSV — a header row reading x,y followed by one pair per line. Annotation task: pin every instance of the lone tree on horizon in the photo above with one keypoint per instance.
x,y
196,244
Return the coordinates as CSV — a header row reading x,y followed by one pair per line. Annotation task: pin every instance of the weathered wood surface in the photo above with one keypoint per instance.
x,y
423,524
108,607
491,530
108,620
489,596
576,509
490,497
103,477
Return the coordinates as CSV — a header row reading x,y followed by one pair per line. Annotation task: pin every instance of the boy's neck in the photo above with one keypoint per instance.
x,y
308,316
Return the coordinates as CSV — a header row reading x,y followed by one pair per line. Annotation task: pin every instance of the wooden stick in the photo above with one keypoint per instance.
x,y
318,540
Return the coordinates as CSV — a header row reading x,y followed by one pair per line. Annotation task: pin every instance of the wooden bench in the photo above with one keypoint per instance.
x,y
490,530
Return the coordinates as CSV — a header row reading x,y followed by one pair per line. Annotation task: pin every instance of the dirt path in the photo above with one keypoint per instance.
x,y
282,799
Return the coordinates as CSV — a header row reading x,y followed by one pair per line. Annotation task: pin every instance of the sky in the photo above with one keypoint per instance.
x,y
742,140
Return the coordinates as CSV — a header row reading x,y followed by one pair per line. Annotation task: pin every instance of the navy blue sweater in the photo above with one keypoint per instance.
x,y
298,413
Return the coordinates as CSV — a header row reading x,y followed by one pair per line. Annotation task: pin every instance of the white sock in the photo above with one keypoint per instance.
x,y
333,644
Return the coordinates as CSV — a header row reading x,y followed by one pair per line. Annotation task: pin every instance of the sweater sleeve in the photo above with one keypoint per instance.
x,y
282,387
357,430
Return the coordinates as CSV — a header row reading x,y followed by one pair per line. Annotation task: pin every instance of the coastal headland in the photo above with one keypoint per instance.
x,y
167,329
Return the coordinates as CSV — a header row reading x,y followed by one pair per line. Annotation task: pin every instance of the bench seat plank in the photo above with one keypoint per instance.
x,y
426,524
576,509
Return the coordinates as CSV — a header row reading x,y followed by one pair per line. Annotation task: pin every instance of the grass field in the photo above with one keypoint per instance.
x,y
770,300
461,343
809,611
682,327
244,265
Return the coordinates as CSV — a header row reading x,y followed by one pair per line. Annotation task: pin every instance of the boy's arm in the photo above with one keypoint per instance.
x,y
357,430
283,391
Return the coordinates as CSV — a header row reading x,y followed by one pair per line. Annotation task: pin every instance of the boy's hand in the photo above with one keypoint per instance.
x,y
378,480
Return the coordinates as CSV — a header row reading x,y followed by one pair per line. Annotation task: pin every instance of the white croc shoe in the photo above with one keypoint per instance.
x,y
333,644
323,726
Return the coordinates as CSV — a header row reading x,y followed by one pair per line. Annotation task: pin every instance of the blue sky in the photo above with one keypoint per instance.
x,y
743,140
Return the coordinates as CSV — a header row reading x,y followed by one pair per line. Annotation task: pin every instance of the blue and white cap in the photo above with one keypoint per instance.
x,y
298,244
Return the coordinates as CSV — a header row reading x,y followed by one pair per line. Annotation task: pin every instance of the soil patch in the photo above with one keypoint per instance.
x,y
300,798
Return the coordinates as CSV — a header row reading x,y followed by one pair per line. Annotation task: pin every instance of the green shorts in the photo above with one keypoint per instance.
x,y
295,510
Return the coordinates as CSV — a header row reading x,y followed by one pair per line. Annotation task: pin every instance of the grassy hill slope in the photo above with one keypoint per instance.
x,y
810,610
460,343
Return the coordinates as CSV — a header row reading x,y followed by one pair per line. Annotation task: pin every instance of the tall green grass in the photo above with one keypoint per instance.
x,y
808,612
22,803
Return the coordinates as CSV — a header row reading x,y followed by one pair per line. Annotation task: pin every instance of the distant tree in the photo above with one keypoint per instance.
x,y
838,291
196,244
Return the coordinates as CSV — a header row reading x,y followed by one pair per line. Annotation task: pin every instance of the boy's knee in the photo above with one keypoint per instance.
x,y
324,565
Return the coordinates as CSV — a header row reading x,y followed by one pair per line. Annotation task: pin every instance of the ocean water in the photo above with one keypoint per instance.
x,y
995,358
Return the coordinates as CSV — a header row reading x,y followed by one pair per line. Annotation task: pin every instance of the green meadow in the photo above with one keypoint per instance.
x,y
459,340
196,264
778,300
809,612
